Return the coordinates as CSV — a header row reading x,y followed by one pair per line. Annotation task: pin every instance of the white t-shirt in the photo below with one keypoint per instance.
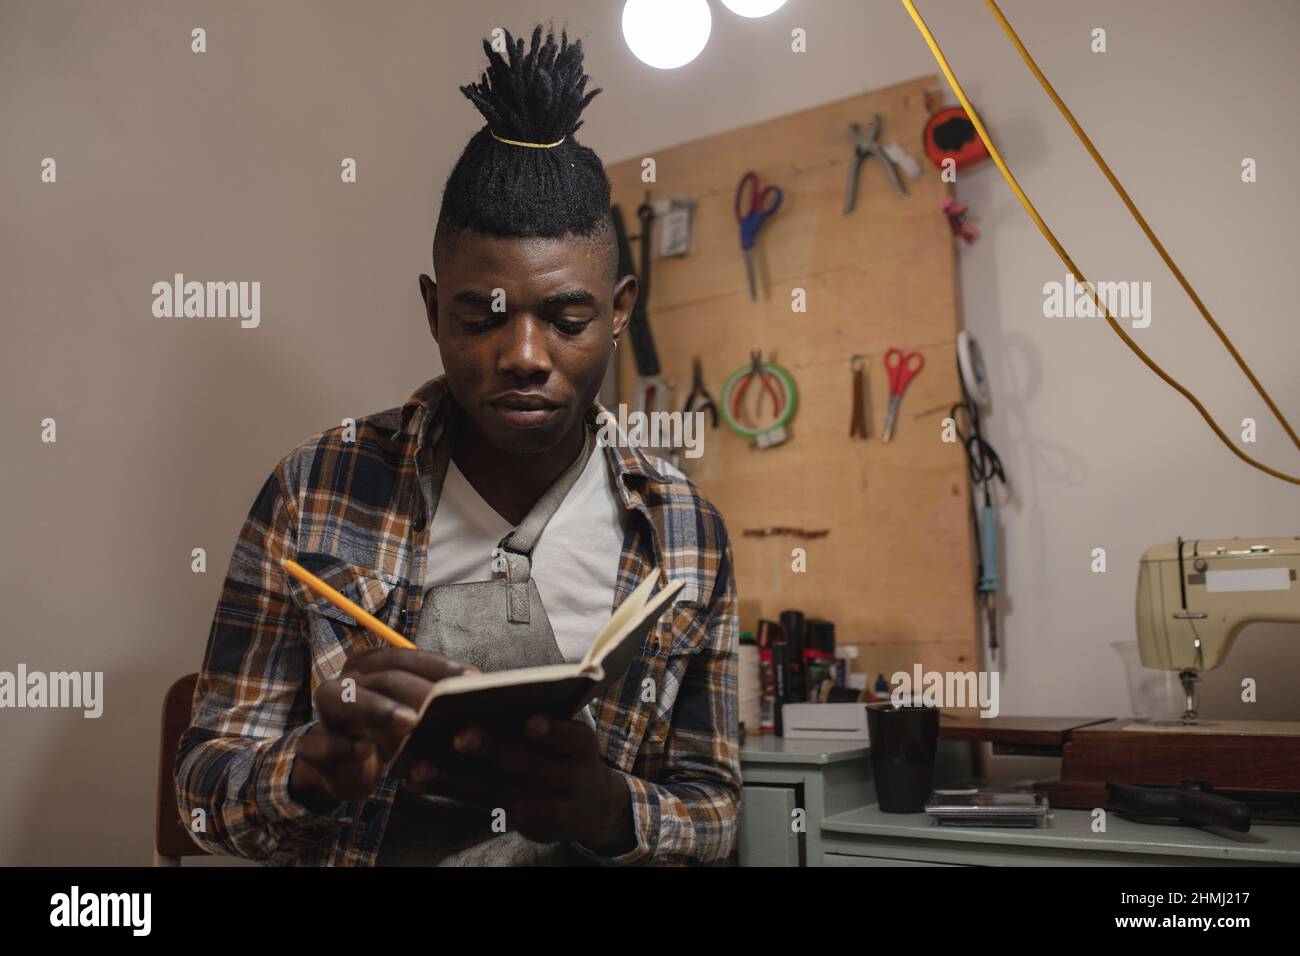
x,y
575,562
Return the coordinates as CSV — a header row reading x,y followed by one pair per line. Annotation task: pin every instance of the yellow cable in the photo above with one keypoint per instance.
x,y
1069,263
1141,220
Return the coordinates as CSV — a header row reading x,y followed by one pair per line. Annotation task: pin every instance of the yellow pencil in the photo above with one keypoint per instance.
x,y
365,619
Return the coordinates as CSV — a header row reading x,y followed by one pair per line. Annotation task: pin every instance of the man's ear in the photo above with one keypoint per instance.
x,y
429,295
625,293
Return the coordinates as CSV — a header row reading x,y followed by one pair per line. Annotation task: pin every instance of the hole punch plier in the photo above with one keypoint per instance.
x,y
865,145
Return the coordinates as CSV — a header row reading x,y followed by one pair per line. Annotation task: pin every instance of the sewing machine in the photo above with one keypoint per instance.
x,y
1193,598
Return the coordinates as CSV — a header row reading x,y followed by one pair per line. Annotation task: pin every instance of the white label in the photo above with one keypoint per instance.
x,y
903,160
1257,579
773,436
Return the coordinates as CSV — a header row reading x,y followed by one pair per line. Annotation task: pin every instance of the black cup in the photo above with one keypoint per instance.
x,y
904,741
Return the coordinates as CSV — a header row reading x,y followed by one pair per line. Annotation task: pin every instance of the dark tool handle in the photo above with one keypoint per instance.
x,y
1192,806
643,343
700,401
645,212
858,424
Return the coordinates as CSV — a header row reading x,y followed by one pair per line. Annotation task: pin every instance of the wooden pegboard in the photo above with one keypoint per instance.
x,y
896,572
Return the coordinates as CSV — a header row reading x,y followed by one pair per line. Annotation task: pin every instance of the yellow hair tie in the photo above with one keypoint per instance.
x,y
515,142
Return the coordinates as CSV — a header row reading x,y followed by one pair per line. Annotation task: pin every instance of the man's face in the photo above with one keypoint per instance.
x,y
525,328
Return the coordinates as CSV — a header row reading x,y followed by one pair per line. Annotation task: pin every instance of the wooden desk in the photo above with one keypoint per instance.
x,y
831,782
864,836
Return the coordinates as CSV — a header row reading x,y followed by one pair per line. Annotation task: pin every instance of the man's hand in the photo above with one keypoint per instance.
x,y
550,781
365,712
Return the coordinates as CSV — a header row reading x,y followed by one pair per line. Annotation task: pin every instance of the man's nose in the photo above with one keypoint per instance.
x,y
524,353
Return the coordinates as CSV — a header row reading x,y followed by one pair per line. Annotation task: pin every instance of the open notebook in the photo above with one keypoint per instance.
x,y
505,699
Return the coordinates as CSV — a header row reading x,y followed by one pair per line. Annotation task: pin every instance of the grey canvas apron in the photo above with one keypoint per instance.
x,y
494,625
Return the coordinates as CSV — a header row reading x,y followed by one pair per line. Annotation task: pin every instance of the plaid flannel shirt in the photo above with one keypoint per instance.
x,y
353,513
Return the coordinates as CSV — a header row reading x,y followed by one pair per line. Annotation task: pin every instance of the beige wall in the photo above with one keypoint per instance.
x,y
224,166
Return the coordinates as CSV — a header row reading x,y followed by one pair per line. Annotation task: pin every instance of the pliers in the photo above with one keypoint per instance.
x,y
698,391
756,371
864,145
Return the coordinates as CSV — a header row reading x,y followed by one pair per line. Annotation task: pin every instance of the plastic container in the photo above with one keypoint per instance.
x,y
1151,692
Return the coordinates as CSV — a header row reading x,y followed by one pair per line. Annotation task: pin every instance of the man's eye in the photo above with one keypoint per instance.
x,y
477,323
569,327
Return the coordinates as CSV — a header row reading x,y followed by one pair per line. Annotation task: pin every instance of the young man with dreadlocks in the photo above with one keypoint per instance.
x,y
430,513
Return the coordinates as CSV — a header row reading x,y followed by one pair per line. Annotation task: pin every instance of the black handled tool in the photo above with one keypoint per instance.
x,y
700,400
1192,803
643,343
646,213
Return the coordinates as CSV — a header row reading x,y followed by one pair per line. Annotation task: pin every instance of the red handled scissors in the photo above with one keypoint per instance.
x,y
902,368
756,207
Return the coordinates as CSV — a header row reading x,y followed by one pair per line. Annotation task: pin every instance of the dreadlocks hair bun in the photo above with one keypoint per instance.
x,y
533,95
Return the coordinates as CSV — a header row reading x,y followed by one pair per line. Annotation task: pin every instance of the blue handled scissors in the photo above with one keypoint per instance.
x,y
756,208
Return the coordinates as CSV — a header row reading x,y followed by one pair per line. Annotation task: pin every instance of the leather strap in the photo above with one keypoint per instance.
x,y
517,546
858,427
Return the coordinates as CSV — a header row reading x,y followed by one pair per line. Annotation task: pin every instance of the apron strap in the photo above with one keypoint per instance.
x,y
517,546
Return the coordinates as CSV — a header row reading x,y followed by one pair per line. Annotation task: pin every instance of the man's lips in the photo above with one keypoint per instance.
x,y
525,401
525,410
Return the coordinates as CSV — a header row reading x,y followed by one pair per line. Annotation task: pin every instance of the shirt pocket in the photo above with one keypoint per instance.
x,y
331,626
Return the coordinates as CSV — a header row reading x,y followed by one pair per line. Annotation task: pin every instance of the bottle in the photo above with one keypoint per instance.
x,y
751,692
881,690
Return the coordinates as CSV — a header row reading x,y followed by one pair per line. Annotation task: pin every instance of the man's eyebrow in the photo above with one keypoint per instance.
x,y
472,297
570,297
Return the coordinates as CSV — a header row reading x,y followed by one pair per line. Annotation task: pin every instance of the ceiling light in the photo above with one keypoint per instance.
x,y
753,8
667,34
